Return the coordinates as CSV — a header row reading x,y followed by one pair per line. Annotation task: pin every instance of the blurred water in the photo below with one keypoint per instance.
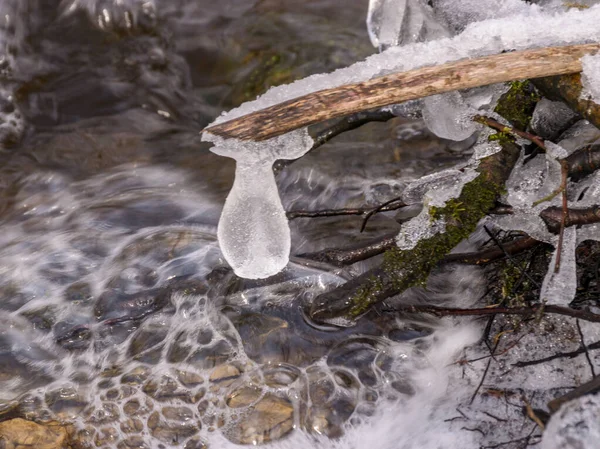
x,y
118,311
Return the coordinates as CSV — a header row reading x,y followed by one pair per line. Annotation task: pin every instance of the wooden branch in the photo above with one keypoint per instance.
x,y
399,87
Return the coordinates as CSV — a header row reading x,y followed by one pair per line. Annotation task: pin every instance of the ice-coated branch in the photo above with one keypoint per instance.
x,y
404,269
400,87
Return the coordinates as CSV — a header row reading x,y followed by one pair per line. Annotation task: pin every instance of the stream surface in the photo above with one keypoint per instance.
x,y
117,310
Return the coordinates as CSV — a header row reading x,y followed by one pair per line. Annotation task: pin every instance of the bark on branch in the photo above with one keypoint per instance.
x,y
400,87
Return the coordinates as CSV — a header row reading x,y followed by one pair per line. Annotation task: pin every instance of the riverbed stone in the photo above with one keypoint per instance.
x,y
270,419
22,434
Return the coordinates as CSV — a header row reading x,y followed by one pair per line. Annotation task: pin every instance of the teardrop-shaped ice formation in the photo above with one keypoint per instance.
x,y
253,231
448,116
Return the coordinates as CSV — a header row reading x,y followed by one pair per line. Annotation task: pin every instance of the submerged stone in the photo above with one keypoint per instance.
x,y
19,434
270,419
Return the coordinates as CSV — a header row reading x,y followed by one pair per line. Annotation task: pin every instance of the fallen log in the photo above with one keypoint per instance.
x,y
400,87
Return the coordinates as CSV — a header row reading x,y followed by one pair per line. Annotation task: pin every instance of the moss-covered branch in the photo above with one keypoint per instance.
x,y
404,269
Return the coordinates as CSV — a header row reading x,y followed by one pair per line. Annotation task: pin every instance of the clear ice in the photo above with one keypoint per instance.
x,y
253,231
448,116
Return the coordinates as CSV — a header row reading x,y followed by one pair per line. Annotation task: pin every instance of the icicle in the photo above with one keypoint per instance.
x,y
253,231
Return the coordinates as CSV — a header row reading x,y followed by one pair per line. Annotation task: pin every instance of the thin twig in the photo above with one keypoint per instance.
x,y
341,257
509,129
565,212
383,207
393,204
585,349
516,265
560,355
486,311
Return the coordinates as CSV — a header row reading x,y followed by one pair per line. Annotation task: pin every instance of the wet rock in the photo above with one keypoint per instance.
x,y
167,388
329,419
281,375
171,432
73,334
225,375
131,425
115,306
137,407
189,378
136,376
42,319
147,343
133,442
179,414
108,412
243,397
179,349
209,357
79,293
66,402
265,338
106,436
9,410
270,419
21,434
195,443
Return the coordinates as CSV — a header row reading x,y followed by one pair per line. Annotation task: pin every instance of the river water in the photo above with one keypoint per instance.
x,y
118,311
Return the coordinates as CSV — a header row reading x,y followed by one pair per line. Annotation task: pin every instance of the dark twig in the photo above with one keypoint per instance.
x,y
492,254
349,123
560,355
486,311
585,349
516,265
396,203
487,368
393,204
509,129
342,257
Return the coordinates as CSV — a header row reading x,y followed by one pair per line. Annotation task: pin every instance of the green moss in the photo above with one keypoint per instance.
x,y
270,70
518,103
406,269
364,297
501,137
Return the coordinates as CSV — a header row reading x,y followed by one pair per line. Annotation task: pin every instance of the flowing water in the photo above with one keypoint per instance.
x,y
118,312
